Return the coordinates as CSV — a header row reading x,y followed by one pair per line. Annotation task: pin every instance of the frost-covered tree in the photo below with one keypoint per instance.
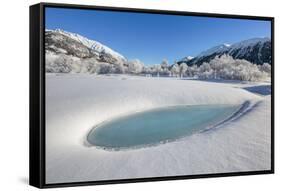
x,y
165,67
205,71
62,63
225,67
164,64
89,65
118,68
104,68
135,66
192,71
175,70
95,69
147,70
158,69
266,68
182,69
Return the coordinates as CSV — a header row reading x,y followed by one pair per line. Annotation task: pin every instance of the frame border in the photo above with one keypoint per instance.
x,y
37,172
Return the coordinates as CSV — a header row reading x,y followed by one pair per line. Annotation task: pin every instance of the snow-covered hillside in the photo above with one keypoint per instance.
x,y
68,52
92,44
187,58
214,50
255,50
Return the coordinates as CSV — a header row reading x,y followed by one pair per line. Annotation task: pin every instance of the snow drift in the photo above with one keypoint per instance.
x,y
76,103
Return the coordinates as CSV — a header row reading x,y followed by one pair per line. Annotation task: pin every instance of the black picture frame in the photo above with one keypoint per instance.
x,y
37,95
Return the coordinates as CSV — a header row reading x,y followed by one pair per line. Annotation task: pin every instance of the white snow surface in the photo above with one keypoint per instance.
x,y
94,45
76,103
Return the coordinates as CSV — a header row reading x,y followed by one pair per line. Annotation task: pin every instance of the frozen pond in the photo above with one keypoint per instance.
x,y
157,126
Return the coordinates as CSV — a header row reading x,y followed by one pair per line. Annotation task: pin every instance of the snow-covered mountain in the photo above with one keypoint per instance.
x,y
256,50
93,45
216,49
74,47
187,58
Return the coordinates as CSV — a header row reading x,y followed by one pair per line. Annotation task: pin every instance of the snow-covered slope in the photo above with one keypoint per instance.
x,y
248,43
256,50
187,58
92,44
76,103
68,52
217,49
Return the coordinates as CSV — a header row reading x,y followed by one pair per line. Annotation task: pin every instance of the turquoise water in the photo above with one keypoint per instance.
x,y
157,125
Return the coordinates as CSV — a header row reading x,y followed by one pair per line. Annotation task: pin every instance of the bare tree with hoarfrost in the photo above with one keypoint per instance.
x,y
164,64
157,69
192,71
175,70
182,69
266,68
104,68
165,67
88,66
62,63
118,68
205,71
148,70
225,67
135,66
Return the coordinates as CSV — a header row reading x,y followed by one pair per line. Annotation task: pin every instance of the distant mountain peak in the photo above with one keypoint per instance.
x,y
250,42
218,48
255,50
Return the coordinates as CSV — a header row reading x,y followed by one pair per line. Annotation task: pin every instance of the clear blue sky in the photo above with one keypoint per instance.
x,y
153,37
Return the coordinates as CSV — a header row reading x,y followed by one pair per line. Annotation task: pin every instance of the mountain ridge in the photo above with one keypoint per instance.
x,y
255,50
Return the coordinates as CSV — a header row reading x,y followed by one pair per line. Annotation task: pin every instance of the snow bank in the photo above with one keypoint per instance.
x,y
76,103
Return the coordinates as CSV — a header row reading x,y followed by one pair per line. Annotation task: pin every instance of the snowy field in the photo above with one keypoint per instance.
x,y
75,103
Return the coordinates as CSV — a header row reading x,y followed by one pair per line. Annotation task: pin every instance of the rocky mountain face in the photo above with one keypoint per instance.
x,y
71,44
256,50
